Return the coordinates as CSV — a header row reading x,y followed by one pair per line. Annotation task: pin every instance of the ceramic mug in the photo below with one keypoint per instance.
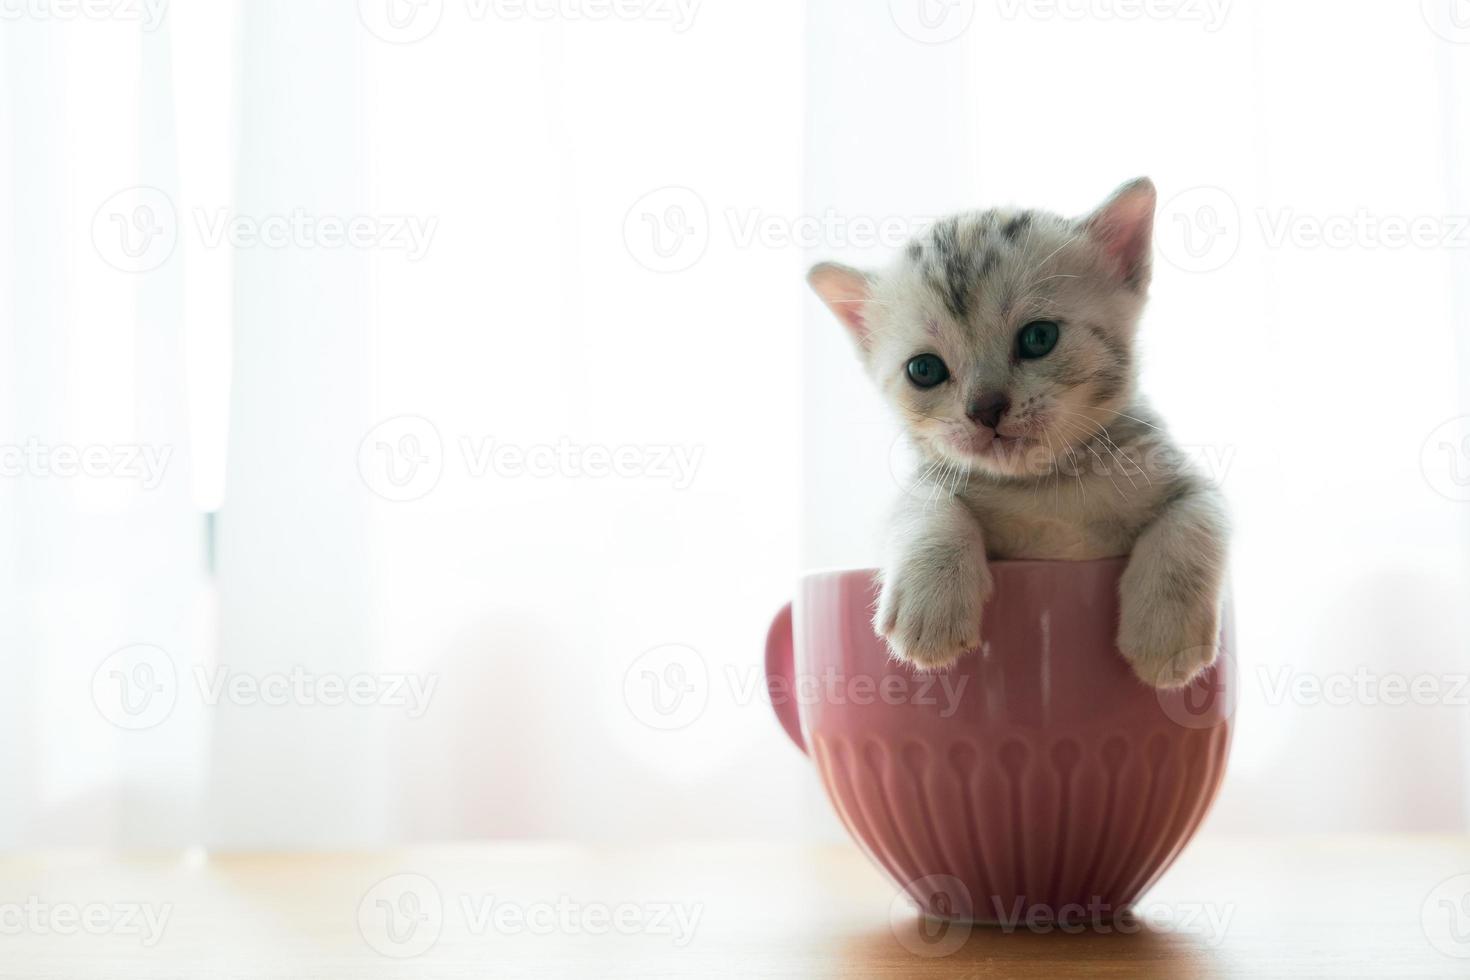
x,y
1038,774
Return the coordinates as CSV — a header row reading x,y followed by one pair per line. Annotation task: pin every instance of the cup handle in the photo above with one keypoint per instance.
x,y
781,674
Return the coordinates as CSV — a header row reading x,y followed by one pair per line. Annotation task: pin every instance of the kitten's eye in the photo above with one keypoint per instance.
x,y
927,370
1037,338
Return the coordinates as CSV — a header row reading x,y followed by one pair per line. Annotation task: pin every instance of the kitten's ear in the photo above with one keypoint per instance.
x,y
846,291
1124,227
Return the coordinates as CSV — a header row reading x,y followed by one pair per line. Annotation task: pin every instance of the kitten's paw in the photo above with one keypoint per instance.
x,y
930,614
1168,642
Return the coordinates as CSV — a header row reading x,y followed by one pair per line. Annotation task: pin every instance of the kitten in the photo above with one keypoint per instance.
x,y
1005,342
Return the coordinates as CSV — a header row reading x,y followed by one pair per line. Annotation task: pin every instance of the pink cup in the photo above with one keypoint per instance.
x,y
1037,777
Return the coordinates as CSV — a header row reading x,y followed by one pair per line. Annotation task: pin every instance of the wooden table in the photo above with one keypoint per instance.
x,y
1333,907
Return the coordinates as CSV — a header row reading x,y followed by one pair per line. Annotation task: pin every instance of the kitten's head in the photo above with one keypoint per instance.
x,y
1004,339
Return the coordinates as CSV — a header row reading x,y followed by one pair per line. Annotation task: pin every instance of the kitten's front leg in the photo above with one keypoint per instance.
x,y
935,583
1170,592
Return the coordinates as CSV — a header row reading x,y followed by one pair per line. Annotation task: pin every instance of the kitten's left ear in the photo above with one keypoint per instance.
x,y
1124,227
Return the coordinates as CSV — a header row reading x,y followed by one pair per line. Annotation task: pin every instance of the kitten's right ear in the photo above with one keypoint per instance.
x,y
846,291
1124,226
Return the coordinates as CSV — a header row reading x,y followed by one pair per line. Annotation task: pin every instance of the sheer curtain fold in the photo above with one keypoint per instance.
x,y
101,544
491,174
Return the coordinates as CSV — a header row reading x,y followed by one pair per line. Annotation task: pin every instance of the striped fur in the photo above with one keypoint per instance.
x,y
1084,468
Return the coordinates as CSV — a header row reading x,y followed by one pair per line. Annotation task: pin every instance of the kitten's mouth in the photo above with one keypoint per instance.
x,y
987,445
1006,449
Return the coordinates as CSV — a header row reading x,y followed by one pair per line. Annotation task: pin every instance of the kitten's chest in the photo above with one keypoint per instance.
x,y
1053,522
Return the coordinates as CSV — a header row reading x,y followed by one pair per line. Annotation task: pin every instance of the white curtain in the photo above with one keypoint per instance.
x,y
103,560
474,362
607,405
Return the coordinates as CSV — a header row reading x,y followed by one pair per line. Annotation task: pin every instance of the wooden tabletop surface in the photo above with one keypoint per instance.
x,y
1290,907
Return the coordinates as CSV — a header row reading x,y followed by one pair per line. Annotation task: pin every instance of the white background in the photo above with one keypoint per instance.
x,y
618,211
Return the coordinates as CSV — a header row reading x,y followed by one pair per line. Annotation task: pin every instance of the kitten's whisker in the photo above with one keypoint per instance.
x,y
1056,484
923,477
1087,444
1112,447
1127,416
941,486
961,478
1116,452
932,478
1072,461
1070,241
1138,470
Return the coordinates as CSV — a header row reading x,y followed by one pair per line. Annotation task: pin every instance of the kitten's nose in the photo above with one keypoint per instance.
x,y
988,409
